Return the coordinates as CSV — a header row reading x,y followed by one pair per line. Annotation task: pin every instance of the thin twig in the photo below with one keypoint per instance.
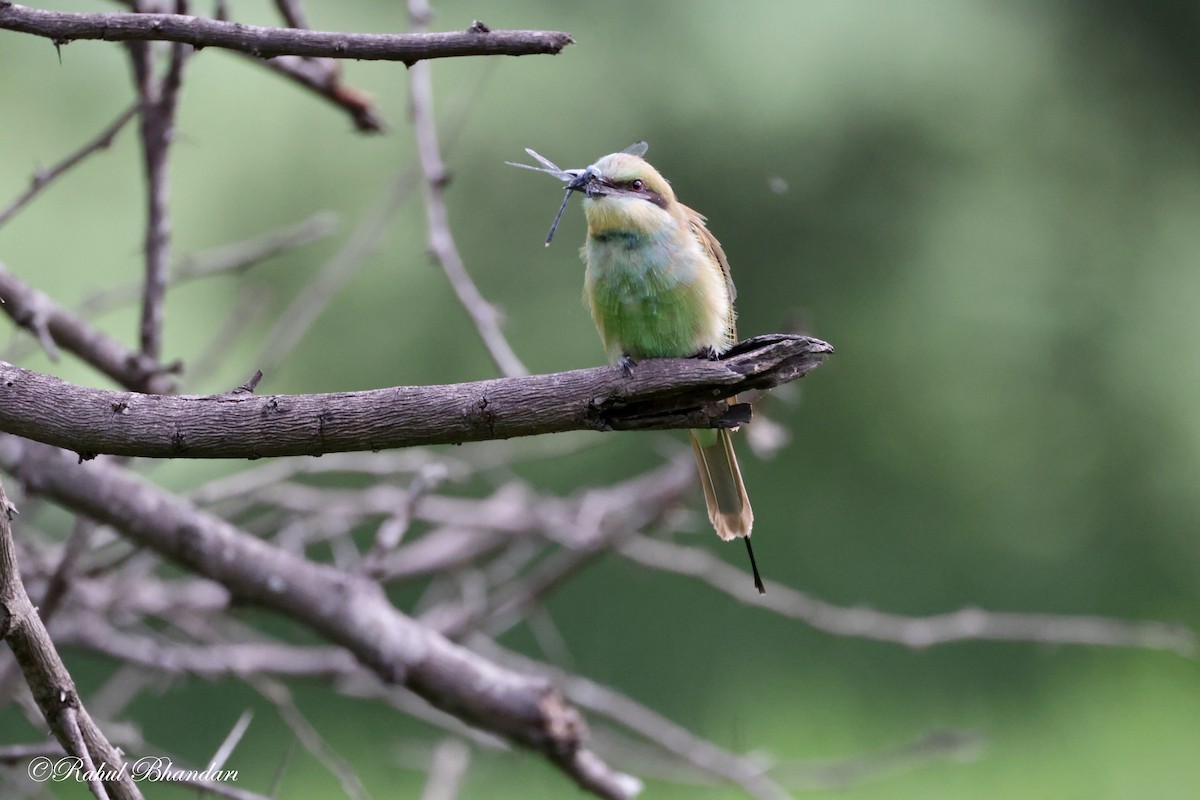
x,y
60,579
231,740
69,723
441,242
362,244
313,299
44,177
247,482
292,14
840,773
392,530
211,660
16,753
224,259
252,305
31,309
447,769
602,518
62,27
968,624
321,77
279,696
649,724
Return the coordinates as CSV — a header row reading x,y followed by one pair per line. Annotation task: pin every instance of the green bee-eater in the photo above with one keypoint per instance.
x,y
658,286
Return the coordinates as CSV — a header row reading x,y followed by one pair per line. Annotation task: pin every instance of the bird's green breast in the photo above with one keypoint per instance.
x,y
644,296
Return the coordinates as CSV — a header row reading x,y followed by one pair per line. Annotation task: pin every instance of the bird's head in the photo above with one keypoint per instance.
x,y
621,192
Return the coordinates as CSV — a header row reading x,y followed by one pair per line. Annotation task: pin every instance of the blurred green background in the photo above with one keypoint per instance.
x,y
990,209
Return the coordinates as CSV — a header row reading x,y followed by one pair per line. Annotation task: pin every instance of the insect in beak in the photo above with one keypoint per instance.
x,y
578,180
584,182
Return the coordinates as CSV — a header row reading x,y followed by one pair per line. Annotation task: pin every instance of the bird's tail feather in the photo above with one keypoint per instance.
x,y
724,492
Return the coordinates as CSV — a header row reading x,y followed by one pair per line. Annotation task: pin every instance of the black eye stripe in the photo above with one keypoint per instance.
x,y
644,191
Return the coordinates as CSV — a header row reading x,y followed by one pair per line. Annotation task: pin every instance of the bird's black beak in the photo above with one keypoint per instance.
x,y
583,180
587,181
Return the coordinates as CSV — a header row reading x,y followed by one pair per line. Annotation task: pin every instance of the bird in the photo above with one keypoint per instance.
x,y
658,285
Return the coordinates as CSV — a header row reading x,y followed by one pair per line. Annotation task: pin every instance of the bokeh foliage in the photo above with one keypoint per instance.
x,y
988,208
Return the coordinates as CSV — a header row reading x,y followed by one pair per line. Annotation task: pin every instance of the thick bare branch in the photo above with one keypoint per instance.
x,y
49,682
344,609
660,394
63,27
213,660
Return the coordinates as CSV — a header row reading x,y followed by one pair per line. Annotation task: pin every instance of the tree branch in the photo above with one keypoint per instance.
x,y
63,27
323,75
660,394
315,296
44,177
967,624
232,258
649,724
441,241
50,322
349,611
158,96
51,685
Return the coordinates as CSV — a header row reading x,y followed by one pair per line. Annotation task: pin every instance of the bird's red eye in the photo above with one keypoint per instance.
x,y
637,185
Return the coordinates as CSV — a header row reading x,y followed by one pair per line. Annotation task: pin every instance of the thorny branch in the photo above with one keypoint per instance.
x,y
44,177
64,27
660,394
485,564
158,98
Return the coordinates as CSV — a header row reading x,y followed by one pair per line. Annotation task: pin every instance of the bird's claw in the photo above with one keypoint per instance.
x,y
626,362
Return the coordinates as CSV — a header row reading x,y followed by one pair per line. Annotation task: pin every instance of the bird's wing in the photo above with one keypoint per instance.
x,y
696,221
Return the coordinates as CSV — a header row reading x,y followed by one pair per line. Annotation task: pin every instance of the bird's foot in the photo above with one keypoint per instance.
x,y
707,353
626,362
